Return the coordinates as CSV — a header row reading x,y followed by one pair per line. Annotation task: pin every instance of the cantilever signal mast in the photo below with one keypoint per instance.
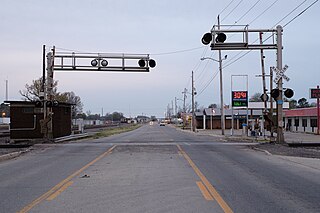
x,y
74,62
217,37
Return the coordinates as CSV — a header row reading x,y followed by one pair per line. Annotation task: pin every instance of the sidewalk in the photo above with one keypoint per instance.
x,y
291,138
303,156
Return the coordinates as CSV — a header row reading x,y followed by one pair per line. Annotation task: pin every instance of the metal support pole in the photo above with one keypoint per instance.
x,y
193,113
318,114
184,106
175,107
223,126
247,106
43,69
232,118
271,104
280,137
264,85
7,90
211,120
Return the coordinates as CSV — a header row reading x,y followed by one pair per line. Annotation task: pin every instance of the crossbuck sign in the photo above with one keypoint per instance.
x,y
280,73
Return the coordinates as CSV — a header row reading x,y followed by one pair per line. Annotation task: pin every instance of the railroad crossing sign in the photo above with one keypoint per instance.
x,y
280,74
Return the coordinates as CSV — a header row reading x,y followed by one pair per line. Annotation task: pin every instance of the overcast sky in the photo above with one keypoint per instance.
x,y
170,31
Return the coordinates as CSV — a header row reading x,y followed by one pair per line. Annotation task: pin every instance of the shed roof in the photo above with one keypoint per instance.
x,y
301,112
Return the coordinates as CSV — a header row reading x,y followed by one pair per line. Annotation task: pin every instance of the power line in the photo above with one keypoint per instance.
x,y
246,13
226,7
178,51
208,83
246,53
300,13
232,10
289,13
263,12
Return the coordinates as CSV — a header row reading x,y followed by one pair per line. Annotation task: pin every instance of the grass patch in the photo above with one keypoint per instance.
x,y
114,131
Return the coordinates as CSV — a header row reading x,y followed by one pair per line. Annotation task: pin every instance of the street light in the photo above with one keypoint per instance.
x,y
221,89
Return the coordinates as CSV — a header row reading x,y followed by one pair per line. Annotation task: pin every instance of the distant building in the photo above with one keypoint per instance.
x,y
210,118
301,120
142,119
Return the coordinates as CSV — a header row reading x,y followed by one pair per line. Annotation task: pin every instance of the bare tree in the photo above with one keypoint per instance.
x,y
71,98
255,97
32,93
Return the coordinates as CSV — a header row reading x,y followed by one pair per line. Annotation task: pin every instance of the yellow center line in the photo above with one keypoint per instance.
x,y
59,191
225,207
204,191
63,182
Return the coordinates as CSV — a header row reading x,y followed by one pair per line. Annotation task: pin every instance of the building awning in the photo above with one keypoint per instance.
x,y
301,112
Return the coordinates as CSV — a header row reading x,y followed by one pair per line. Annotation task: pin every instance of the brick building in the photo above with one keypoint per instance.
x,y
25,120
301,120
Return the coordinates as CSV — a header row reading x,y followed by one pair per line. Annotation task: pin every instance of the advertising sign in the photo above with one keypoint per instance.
x,y
314,93
239,98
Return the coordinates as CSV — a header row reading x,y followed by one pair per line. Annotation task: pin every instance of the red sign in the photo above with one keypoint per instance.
x,y
239,98
315,93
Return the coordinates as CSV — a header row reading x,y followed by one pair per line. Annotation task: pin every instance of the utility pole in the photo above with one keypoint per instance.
x,y
175,107
172,109
271,103
264,84
318,113
184,106
193,114
7,90
280,136
223,126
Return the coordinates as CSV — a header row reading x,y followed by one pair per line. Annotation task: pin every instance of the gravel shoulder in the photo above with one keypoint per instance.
x,y
285,150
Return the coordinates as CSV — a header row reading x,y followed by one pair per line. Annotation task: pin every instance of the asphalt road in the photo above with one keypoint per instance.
x,y
156,169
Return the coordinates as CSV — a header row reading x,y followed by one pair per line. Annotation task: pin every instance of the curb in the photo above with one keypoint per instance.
x,y
71,137
12,155
261,150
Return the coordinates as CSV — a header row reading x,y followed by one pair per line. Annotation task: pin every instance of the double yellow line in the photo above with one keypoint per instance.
x,y
208,191
205,186
60,187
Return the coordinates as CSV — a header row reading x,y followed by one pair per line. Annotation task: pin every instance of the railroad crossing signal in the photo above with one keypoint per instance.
x,y
280,74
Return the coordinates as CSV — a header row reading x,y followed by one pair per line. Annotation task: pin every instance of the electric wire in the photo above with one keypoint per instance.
x,y
205,66
208,83
232,10
246,53
226,7
263,12
300,13
289,13
177,51
246,13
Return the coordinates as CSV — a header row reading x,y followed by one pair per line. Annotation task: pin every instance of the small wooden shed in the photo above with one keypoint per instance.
x,y
25,120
